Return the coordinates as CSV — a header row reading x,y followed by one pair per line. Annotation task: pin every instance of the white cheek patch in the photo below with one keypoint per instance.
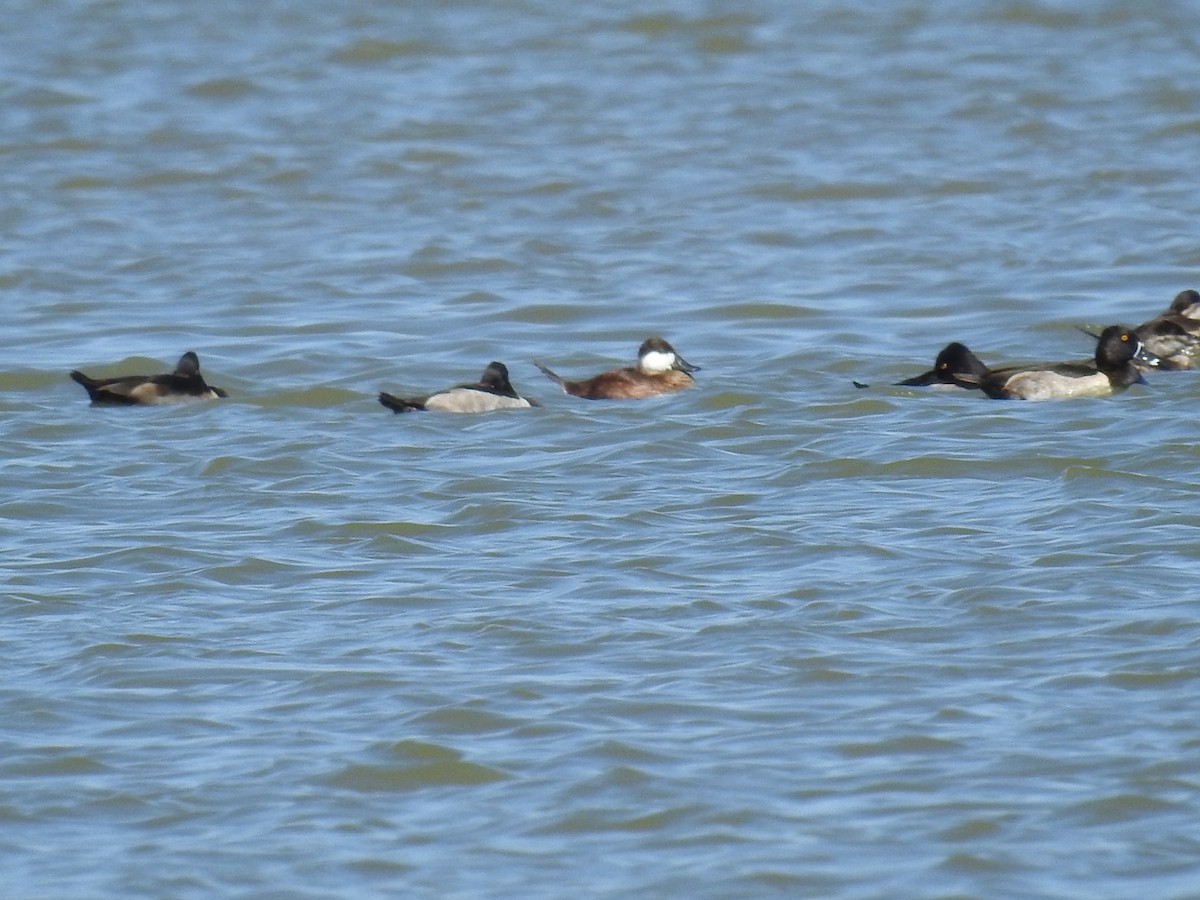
x,y
656,362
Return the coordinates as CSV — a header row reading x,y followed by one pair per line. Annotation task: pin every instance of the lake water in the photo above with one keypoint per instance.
x,y
775,636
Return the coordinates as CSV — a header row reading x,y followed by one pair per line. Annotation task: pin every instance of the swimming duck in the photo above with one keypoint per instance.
x,y
183,385
1174,337
1186,303
659,370
492,391
955,366
1112,370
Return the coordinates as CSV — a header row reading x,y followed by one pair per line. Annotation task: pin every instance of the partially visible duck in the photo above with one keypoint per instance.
x,y
183,385
1112,370
955,366
492,391
659,370
1174,337
1186,303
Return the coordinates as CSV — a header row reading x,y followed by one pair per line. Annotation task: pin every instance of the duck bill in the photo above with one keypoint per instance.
x,y
683,365
1145,357
922,380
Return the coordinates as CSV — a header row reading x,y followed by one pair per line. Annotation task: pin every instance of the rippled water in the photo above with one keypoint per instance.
x,y
772,637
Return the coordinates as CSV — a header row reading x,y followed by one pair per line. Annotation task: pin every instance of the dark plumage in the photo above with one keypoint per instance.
x,y
955,366
492,391
1111,370
1174,337
184,384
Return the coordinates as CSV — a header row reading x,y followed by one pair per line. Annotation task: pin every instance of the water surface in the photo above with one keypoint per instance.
x,y
776,636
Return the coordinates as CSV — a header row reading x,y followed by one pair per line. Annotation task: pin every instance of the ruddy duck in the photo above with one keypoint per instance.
x,y
659,370
955,366
492,391
1113,370
184,384
1174,337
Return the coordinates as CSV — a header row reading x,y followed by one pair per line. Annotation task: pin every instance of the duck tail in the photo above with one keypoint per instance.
x,y
399,404
557,379
89,384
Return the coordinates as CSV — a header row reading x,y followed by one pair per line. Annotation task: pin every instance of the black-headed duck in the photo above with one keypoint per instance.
x,y
955,366
492,391
183,385
1112,370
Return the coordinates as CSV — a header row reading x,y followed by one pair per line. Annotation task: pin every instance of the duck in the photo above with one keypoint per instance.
x,y
659,370
492,391
185,384
1112,370
1174,337
955,366
1186,303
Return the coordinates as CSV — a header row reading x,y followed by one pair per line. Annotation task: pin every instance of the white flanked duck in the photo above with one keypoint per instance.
x,y
1112,370
492,391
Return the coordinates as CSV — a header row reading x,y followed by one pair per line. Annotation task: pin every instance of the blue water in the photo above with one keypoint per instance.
x,y
774,636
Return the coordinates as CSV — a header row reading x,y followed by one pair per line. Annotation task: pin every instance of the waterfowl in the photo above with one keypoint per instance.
x,y
183,385
1174,336
492,391
955,366
1186,303
1172,340
659,370
1112,370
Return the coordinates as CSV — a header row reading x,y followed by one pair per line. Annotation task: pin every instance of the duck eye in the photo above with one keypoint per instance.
x,y
1125,338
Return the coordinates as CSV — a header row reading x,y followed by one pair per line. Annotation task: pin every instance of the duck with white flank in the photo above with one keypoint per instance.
x,y
492,391
1112,370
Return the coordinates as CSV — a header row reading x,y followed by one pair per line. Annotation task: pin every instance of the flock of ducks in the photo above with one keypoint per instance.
x,y
658,370
1168,341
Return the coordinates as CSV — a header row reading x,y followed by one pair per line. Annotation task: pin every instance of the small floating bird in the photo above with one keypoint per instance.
x,y
492,391
1112,370
1174,337
659,370
183,385
1186,303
